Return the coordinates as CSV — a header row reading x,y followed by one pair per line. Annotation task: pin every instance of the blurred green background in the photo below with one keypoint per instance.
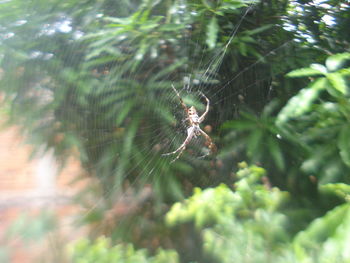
x,y
93,79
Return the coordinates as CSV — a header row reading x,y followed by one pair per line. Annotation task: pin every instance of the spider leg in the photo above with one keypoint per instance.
x,y
181,149
201,118
182,103
208,141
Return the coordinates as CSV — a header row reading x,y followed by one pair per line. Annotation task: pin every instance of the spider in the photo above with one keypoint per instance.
x,y
194,130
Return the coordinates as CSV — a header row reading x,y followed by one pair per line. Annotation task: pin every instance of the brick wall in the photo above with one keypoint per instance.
x,y
30,187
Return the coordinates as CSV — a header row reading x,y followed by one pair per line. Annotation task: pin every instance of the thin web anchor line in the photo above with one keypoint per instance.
x,y
221,56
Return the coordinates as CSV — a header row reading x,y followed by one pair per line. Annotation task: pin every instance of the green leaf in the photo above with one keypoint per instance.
x,y
323,233
247,39
242,48
258,30
130,136
148,26
304,72
335,62
207,4
254,141
338,82
276,152
212,32
171,27
321,228
249,116
344,144
144,46
117,20
340,189
127,107
319,67
167,70
302,102
232,5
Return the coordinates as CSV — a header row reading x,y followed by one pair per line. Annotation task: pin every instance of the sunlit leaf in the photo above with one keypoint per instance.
x,y
142,50
118,20
322,233
212,32
335,62
340,189
304,72
302,102
151,24
319,67
234,5
101,250
338,82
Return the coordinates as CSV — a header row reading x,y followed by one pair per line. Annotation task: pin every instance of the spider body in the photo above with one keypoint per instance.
x,y
193,116
194,129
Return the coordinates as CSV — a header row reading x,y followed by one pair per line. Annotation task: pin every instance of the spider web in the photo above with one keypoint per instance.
x,y
150,166
194,83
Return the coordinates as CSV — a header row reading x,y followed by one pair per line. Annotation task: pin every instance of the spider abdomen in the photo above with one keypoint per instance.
x,y
194,118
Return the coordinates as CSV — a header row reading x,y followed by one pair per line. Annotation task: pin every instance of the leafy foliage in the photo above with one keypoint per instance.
x,y
326,238
101,251
92,79
243,224
248,223
247,127
320,25
319,118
